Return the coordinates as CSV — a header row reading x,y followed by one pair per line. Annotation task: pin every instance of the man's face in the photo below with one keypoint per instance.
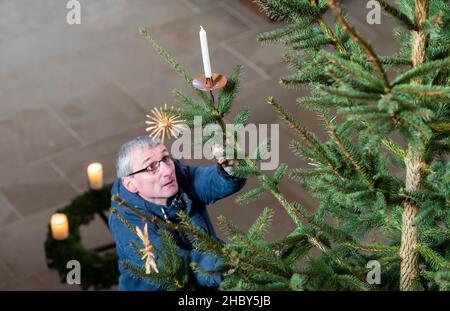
x,y
162,183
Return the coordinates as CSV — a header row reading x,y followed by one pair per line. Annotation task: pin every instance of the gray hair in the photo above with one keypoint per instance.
x,y
123,167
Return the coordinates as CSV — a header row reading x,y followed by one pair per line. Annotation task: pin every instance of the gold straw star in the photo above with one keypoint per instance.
x,y
147,251
164,122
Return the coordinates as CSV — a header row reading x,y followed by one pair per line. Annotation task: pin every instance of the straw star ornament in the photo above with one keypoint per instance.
x,y
147,251
164,122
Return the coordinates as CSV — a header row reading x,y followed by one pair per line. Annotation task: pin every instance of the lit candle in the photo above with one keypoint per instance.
x,y
59,225
205,53
95,176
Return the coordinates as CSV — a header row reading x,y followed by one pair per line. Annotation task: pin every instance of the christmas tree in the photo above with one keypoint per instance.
x,y
385,124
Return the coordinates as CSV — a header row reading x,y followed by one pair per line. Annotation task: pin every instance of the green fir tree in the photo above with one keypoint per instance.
x,y
350,173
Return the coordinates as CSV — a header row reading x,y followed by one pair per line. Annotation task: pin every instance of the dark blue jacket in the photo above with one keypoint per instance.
x,y
199,186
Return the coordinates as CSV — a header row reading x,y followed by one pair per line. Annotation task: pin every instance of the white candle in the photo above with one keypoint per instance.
x,y
205,53
59,225
95,176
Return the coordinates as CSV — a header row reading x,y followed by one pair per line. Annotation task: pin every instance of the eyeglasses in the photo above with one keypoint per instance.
x,y
153,167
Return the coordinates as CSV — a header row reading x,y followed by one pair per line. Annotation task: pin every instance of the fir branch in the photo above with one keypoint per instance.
x,y
202,272
242,117
442,278
277,35
280,172
296,282
294,209
182,72
228,227
170,254
416,129
348,92
329,34
357,72
244,170
228,93
115,212
293,61
262,224
371,56
262,256
420,37
250,196
315,42
347,151
396,150
311,70
441,127
294,238
442,77
397,14
374,248
194,109
296,80
308,137
159,278
431,256
262,149
322,102
341,78
250,266
395,60
200,235
279,10
328,252
202,240
317,162
423,90
339,236
421,70
301,175
295,253
435,233
304,33
152,219
352,282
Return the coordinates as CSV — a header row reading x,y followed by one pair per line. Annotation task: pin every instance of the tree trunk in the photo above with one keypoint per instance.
x,y
409,254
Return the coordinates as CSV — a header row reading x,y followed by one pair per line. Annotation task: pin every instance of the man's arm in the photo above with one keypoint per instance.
x,y
211,183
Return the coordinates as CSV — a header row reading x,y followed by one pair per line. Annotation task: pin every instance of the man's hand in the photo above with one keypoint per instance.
x,y
217,151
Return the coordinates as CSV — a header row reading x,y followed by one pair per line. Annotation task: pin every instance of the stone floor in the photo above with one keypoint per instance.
x,y
71,95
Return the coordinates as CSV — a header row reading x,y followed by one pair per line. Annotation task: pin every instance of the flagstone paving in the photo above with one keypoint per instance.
x,y
72,94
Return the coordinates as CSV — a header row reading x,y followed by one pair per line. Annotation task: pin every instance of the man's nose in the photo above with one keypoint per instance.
x,y
165,169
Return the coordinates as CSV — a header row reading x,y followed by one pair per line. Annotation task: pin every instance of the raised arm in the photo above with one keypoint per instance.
x,y
210,183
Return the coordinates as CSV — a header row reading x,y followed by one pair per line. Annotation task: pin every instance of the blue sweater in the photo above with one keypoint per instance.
x,y
199,187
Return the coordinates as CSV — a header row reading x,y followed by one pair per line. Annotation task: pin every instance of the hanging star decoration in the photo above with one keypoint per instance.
x,y
147,250
164,121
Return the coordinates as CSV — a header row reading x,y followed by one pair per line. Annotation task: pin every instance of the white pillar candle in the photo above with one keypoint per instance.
x,y
95,176
59,225
205,53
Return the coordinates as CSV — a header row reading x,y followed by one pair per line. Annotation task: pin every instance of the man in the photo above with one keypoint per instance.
x,y
149,179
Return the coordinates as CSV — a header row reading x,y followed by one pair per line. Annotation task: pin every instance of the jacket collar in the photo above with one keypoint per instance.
x,y
175,203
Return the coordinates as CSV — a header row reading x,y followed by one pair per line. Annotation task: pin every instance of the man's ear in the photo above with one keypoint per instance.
x,y
128,183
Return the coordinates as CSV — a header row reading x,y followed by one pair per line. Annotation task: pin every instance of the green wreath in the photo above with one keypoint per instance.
x,y
97,270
